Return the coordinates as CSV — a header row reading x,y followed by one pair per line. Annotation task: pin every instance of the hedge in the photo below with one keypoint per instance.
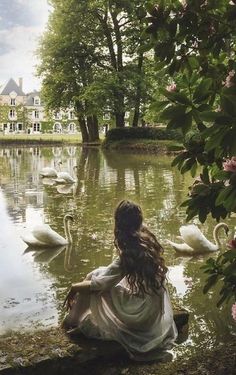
x,y
118,134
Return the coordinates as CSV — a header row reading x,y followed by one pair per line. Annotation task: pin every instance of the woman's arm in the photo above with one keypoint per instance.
x,y
82,287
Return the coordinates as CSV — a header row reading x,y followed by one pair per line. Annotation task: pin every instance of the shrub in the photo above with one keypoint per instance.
x,y
118,134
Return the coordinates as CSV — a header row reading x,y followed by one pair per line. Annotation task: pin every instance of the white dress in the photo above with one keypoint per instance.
x,y
144,326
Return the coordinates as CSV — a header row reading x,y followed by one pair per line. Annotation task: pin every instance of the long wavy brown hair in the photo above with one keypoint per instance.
x,y
140,252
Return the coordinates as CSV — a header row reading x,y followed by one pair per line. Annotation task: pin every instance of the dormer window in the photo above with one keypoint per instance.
x,y
13,101
36,101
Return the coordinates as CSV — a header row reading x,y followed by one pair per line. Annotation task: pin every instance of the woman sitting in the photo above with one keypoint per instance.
x,y
128,300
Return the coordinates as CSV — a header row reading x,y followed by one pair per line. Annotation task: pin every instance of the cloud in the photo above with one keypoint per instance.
x,y
24,22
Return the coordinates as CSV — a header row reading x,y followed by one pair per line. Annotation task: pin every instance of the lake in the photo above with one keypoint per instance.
x,y
33,284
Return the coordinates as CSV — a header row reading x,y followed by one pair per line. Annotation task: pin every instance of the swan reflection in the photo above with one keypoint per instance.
x,y
44,255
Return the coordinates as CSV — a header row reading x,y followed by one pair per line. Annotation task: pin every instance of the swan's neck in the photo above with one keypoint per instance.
x,y
216,234
67,230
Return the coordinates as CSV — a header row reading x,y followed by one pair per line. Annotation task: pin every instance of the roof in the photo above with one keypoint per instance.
x,y
12,86
31,96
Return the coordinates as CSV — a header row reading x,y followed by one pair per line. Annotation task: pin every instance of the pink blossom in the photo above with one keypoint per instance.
x,y
234,311
232,244
171,88
230,165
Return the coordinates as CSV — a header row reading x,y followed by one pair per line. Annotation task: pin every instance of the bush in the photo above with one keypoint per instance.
x,y
118,134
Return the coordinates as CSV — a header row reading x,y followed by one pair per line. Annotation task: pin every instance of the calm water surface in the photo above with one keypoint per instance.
x,y
33,284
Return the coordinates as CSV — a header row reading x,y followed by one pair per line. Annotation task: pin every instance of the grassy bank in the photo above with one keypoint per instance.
x,y
133,145
47,139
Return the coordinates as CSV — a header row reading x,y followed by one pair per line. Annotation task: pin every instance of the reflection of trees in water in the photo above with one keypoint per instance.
x,y
102,180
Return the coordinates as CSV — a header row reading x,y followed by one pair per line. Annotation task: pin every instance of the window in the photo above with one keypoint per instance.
x,y
106,116
20,127
12,113
13,102
126,115
36,101
36,114
71,128
71,115
12,127
57,128
36,127
57,115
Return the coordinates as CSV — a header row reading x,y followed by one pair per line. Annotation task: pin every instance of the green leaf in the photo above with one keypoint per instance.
x,y
228,105
230,201
203,214
193,62
230,255
205,175
194,169
187,124
221,175
208,116
178,158
223,120
158,106
202,90
185,203
222,196
215,140
187,165
172,111
210,282
201,189
176,97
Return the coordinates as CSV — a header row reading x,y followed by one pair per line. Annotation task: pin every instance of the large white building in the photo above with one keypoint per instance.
x,y
25,113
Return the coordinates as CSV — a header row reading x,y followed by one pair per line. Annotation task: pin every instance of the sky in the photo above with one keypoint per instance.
x,y
21,24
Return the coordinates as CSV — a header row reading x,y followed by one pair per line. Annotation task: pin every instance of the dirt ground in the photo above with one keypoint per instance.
x,y
217,361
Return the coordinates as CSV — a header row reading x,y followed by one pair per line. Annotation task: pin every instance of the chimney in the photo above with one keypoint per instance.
x,y
21,83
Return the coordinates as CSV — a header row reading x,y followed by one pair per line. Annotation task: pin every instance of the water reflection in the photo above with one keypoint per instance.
x,y
33,284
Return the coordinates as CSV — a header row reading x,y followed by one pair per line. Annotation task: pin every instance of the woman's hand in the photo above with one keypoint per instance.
x,y
70,298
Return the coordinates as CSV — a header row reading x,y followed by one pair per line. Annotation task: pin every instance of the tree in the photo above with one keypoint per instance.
x,y
67,64
194,42
92,56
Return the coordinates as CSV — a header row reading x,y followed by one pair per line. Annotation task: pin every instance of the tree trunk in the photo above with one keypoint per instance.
x,y
120,119
92,125
138,93
83,129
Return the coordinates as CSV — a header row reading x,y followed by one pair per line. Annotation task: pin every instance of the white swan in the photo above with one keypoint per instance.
x,y
65,177
43,235
49,171
194,240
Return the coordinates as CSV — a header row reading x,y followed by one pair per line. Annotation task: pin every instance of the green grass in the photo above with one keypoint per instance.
x,y
47,138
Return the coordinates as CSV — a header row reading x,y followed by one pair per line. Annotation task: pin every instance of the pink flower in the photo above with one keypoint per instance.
x,y
171,88
232,244
234,311
230,165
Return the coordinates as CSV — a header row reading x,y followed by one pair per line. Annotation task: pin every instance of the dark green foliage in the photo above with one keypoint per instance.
x,y
222,269
118,134
194,41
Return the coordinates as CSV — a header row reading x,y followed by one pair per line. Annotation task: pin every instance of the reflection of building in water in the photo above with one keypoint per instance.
x,y
57,151
71,150
20,180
